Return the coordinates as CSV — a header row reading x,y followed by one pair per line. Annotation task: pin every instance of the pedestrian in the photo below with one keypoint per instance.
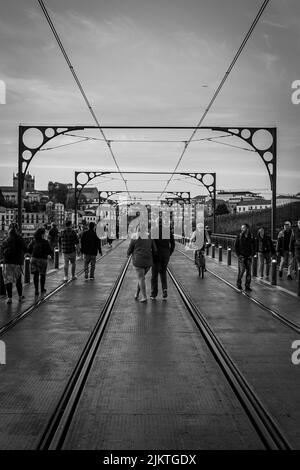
x,y
13,250
295,244
206,244
53,237
265,250
70,246
84,228
90,246
142,249
283,249
245,249
40,249
164,249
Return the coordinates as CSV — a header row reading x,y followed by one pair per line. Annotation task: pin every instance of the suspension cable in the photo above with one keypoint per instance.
x,y
75,76
238,53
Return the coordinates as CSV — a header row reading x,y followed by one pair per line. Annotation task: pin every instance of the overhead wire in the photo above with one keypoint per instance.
x,y
75,76
220,86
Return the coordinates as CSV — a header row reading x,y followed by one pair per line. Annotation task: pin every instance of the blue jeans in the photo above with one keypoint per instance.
x,y
244,264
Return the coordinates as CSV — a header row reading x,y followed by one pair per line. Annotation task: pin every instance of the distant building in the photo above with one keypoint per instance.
x,y
29,182
287,199
10,194
255,204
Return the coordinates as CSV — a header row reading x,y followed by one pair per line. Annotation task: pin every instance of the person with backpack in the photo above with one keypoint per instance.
x,y
245,249
70,245
13,250
40,249
90,246
265,250
53,237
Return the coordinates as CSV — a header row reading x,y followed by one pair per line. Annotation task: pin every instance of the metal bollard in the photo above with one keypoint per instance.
x,y
228,256
27,270
254,266
2,285
220,253
56,258
213,250
299,281
274,272
207,249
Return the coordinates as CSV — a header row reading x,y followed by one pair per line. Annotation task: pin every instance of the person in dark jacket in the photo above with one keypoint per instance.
x,y
142,250
165,248
265,249
295,243
13,250
90,246
245,249
283,249
69,246
53,237
40,249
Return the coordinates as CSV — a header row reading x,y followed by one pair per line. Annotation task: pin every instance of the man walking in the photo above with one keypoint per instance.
x,y
165,248
90,246
295,244
283,249
69,245
245,249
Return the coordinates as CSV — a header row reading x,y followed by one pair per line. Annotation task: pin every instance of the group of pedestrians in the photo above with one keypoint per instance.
x,y
14,249
287,250
146,254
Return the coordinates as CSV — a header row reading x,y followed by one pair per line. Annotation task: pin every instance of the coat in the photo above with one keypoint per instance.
x,y
245,246
142,252
90,243
13,250
40,249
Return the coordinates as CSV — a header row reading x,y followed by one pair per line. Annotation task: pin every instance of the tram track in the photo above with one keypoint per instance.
x,y
267,429
275,314
57,428
28,311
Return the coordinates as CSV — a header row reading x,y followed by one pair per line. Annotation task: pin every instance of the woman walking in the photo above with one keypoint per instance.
x,y
13,251
142,249
265,250
40,249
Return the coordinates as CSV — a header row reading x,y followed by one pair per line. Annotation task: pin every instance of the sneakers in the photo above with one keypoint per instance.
x,y
66,278
92,277
248,288
136,297
165,294
239,286
153,297
74,278
86,278
143,300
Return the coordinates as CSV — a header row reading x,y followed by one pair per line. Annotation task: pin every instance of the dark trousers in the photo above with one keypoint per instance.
x,y
244,264
36,277
19,287
159,267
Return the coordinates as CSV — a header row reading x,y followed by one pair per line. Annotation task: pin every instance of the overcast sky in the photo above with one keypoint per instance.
x,y
151,62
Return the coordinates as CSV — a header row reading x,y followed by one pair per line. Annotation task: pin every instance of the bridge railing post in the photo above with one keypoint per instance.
x,y
213,247
220,253
298,281
207,249
274,272
56,258
254,266
2,285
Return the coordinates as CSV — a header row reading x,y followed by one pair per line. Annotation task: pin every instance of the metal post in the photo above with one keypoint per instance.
x,y
2,285
213,250
214,209
273,179
27,270
254,266
20,179
207,249
75,200
228,256
220,253
56,258
274,272
299,281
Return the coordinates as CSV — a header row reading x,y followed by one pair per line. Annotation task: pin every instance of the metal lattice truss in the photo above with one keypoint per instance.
x,y
249,135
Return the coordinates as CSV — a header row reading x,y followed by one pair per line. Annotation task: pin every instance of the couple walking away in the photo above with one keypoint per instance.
x,y
146,254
